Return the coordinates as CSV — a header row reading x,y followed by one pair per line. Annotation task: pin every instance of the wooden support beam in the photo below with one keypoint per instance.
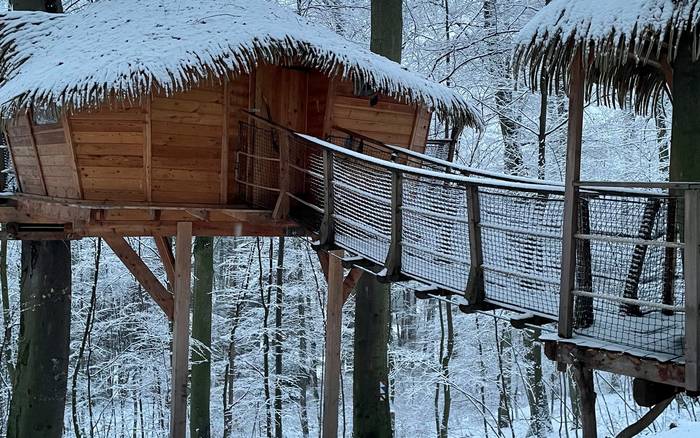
x,y
334,312
165,251
573,174
148,151
584,380
692,289
145,277
350,280
327,224
35,150
475,285
68,132
224,145
669,373
181,330
393,259
281,210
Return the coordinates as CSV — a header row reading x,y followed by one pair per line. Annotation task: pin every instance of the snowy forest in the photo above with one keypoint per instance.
x,y
258,303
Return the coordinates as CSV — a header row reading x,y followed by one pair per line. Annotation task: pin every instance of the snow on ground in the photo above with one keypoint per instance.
x,y
686,430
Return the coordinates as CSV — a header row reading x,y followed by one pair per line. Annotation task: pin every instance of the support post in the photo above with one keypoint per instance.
x,y
327,226
393,260
573,173
334,312
282,206
475,287
584,381
181,330
165,251
692,289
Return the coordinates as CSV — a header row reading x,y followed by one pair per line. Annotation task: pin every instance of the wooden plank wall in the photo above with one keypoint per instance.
x,y
186,132
238,100
24,156
109,148
388,121
170,149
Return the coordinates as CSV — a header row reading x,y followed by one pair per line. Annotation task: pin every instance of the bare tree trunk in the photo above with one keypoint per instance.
x,y
279,298
200,426
83,343
39,396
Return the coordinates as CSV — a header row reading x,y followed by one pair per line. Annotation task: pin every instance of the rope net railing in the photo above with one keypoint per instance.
x,y
489,239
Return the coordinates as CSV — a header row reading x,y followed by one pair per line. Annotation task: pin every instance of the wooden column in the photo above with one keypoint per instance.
x,y
181,330
334,312
573,174
692,289
475,286
584,381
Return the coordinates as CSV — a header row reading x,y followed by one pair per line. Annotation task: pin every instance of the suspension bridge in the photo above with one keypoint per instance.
x,y
495,241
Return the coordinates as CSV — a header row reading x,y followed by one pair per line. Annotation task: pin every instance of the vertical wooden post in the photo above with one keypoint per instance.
x,y
393,260
327,226
584,380
334,312
282,205
181,330
475,287
223,178
148,150
573,173
692,289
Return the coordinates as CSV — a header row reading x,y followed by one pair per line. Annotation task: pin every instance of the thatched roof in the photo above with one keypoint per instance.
x,y
627,45
122,49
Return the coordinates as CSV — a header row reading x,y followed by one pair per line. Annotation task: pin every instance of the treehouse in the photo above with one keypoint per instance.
x,y
629,289
165,114
209,118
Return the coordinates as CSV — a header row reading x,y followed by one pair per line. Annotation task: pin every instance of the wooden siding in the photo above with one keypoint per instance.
x,y
109,150
388,120
238,100
25,157
57,162
183,148
186,134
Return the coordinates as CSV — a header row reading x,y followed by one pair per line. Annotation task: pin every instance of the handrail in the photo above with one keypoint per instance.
x,y
632,188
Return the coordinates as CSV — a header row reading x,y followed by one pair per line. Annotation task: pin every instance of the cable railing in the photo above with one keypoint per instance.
x,y
499,241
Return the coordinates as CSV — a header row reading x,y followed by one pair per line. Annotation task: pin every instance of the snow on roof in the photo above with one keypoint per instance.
x,y
629,44
123,48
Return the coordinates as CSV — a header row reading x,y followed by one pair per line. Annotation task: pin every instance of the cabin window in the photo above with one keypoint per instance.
x,y
45,116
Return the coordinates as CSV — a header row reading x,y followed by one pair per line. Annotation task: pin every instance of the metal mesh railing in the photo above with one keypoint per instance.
x,y
629,277
424,220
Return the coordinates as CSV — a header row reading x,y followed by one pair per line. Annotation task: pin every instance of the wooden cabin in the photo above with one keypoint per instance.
x,y
162,124
153,118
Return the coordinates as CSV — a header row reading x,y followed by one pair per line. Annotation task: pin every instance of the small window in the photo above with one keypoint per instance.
x,y
46,116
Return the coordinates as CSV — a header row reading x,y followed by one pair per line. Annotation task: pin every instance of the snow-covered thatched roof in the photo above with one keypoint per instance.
x,y
628,45
121,49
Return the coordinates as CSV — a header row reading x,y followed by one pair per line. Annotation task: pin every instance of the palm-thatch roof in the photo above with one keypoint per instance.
x,y
627,45
122,49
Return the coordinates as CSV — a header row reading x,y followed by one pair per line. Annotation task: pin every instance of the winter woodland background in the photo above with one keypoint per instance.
x,y
471,373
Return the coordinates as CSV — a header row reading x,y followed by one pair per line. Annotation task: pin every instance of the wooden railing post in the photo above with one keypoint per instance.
x,y
393,259
327,225
475,287
573,174
692,289
282,206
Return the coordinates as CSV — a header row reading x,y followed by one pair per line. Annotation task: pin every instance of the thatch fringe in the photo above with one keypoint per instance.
x,y
20,32
621,68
